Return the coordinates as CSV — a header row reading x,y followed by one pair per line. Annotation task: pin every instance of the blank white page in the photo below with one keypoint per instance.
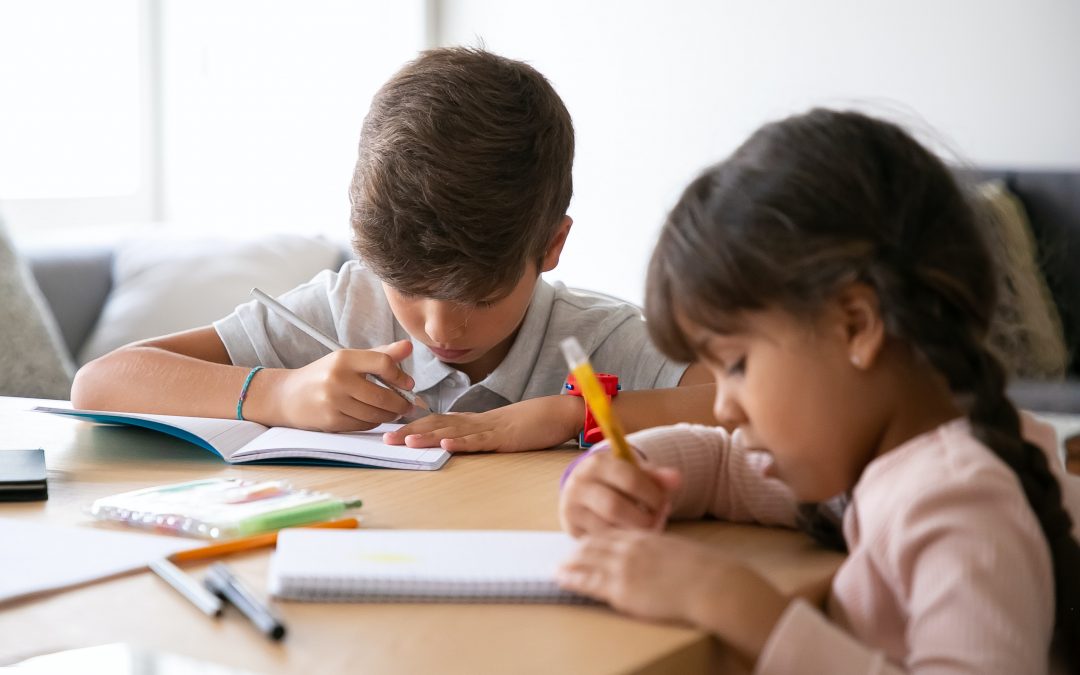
x,y
40,557
378,564
357,444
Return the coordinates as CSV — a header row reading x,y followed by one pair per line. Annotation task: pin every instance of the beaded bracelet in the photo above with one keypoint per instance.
x,y
244,391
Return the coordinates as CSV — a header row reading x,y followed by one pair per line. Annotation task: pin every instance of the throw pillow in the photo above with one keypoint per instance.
x,y
33,362
170,283
1026,331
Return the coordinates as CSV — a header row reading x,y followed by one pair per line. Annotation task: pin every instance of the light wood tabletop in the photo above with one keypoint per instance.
x,y
488,491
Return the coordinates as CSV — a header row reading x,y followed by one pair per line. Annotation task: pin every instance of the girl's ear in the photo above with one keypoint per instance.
x,y
862,324
554,250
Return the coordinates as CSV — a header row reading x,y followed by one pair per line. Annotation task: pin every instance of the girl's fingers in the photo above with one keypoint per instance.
x,y
583,579
637,485
620,509
580,521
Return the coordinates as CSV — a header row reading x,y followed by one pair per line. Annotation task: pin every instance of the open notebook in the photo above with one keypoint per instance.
x,y
420,565
238,441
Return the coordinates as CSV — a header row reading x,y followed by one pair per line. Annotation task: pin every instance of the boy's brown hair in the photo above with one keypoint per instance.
x,y
464,175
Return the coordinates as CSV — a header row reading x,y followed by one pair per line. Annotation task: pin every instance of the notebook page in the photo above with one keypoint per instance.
x,y
41,557
341,447
223,436
466,565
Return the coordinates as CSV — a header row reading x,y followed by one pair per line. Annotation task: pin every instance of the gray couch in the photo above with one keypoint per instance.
x,y
76,281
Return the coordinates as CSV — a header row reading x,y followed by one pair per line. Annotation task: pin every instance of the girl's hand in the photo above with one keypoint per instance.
x,y
604,492
534,424
668,578
334,394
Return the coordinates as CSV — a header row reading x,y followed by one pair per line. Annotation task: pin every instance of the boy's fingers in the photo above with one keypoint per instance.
x,y
398,351
428,439
481,441
420,426
362,411
381,365
383,399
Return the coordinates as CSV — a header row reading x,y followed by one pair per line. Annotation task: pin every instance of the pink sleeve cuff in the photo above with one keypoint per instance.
x,y
805,641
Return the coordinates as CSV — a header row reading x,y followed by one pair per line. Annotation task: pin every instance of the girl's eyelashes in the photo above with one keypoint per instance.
x,y
738,367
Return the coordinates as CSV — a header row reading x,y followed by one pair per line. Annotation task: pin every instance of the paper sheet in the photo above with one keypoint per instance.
x,y
40,557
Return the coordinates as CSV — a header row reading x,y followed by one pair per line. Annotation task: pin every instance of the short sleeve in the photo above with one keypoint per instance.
x,y
628,352
347,305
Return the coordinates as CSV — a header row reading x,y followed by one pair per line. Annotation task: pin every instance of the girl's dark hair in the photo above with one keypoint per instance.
x,y
817,201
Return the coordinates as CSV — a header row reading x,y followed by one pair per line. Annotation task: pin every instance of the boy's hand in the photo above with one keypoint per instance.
x,y
669,578
333,394
605,492
534,424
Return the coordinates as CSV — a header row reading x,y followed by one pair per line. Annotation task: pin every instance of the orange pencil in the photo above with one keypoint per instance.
x,y
248,543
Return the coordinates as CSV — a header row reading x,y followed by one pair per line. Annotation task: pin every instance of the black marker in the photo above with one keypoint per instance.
x,y
222,582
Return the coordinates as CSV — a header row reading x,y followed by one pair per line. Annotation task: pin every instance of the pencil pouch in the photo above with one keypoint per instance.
x,y
218,508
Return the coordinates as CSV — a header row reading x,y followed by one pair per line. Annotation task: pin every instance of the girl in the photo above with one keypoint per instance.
x,y
831,276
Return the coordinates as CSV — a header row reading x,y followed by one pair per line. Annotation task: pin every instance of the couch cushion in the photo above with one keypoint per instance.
x,y
75,281
1052,202
33,361
1026,331
168,283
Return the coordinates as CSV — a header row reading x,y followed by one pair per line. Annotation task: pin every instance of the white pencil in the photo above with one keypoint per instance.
x,y
208,603
331,344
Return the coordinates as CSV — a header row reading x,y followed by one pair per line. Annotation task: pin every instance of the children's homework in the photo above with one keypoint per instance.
x,y
420,565
239,441
45,557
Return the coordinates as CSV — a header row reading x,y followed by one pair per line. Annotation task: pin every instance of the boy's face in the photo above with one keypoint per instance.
x,y
474,338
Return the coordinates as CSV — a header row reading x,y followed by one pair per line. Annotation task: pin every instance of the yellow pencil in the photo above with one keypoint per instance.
x,y
248,543
598,403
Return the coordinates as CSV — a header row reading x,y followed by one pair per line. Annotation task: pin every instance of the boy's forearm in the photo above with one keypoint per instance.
x,y
660,407
154,380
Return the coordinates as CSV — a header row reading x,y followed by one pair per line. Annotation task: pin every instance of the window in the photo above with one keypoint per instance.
x,y
242,114
75,134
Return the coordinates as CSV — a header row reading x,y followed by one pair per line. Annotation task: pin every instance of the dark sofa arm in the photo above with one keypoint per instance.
x,y
75,283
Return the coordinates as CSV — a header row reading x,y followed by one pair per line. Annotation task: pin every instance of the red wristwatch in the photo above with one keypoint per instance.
x,y
592,433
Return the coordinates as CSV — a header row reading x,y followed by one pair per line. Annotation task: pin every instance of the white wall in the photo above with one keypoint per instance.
x,y
263,102
660,90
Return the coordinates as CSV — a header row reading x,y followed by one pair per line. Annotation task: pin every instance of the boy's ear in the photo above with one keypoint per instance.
x,y
862,325
554,250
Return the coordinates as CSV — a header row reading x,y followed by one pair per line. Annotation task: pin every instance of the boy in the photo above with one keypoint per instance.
x,y
459,202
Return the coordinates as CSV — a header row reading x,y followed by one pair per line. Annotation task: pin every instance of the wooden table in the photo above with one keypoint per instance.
x,y
512,491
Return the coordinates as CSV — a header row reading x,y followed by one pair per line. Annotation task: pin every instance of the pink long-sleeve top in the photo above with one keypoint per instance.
x,y
947,572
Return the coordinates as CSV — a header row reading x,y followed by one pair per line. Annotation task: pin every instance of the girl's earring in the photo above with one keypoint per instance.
x,y
856,360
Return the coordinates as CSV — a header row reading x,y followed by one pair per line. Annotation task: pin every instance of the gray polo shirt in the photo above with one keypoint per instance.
x,y
350,306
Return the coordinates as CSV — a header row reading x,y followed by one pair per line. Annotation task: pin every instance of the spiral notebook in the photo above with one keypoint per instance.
x,y
420,566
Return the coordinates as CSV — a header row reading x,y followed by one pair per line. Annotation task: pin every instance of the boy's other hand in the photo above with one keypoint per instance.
x,y
534,424
334,394
605,492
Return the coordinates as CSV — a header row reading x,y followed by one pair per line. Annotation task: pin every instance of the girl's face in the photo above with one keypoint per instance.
x,y
792,389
